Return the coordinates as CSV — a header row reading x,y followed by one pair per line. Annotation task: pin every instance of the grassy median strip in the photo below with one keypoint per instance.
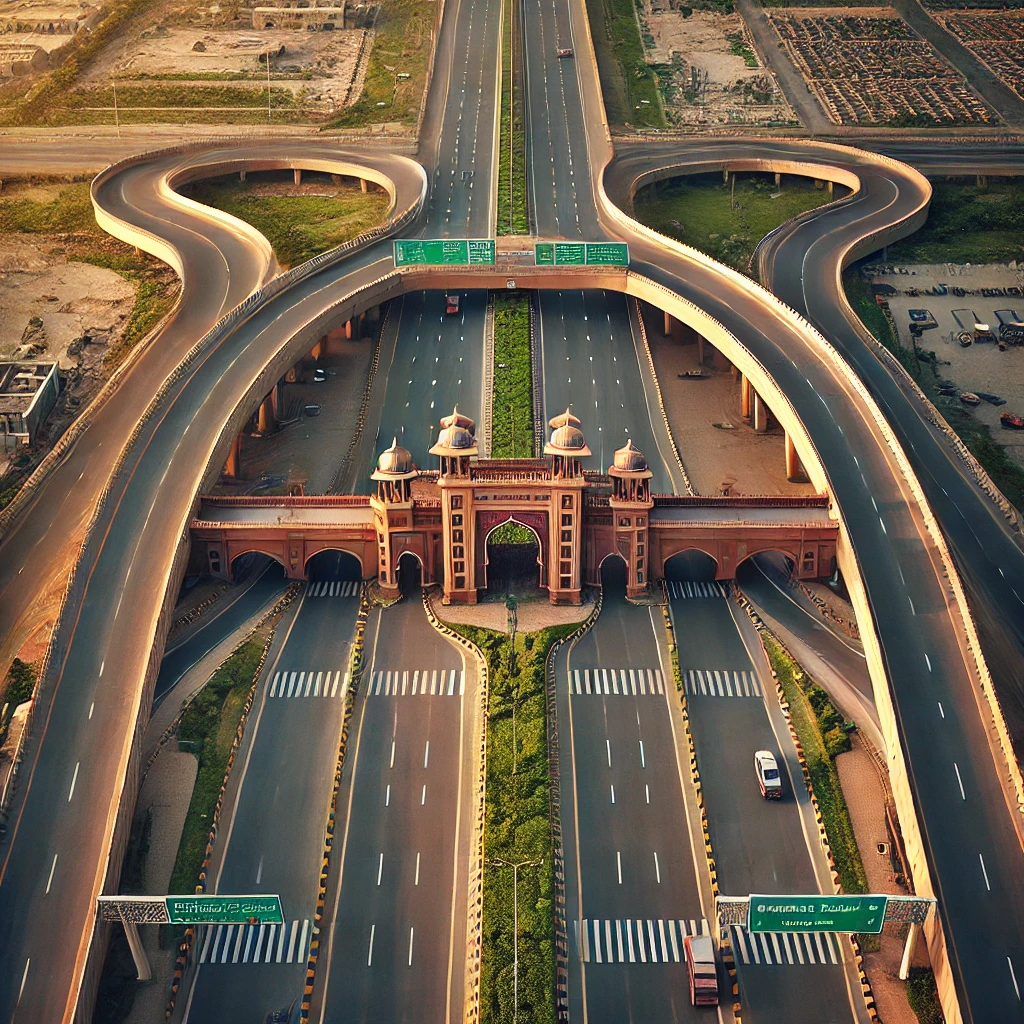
x,y
298,227
819,726
208,730
513,218
517,828
512,404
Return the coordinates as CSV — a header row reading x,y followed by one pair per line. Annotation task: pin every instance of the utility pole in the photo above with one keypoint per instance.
x,y
268,85
515,924
117,120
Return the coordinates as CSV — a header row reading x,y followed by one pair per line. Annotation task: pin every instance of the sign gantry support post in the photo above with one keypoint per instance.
x,y
131,931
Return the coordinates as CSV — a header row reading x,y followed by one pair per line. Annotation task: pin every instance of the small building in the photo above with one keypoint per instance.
x,y
28,393
315,15
21,59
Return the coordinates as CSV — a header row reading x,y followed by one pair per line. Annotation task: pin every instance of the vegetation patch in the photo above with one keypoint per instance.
x,y
739,47
298,227
820,729
208,730
17,688
517,828
724,221
632,96
512,401
403,37
512,213
923,995
968,223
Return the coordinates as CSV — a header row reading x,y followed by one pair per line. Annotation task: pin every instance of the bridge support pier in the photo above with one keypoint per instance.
x,y
241,175
795,472
297,174
318,350
746,391
778,179
362,184
760,416
700,349
232,468
131,931
267,418
725,175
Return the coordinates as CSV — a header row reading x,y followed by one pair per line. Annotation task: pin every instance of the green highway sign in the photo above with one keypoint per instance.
x,y
579,254
440,252
863,914
224,909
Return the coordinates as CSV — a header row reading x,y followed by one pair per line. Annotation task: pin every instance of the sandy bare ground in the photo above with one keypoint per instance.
x,y
980,367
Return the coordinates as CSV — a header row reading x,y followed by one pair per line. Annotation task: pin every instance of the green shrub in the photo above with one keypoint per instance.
x,y
512,403
923,995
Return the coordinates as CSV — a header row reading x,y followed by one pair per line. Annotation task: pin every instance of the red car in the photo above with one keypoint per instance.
x,y
451,307
565,51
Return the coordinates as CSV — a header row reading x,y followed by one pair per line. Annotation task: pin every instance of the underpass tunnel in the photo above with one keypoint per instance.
x,y
333,566
246,566
513,562
410,575
774,566
614,576
691,567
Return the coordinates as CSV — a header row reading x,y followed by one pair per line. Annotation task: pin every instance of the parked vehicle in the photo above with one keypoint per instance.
x,y
769,781
965,339
922,317
991,399
319,375
565,51
451,305
695,374
701,970
1010,421
982,332
970,398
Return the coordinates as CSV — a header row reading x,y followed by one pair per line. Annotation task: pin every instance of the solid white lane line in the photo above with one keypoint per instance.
x,y
259,871
411,932
618,862
49,881
369,955
608,745
387,796
103,665
380,868
647,792
960,782
92,708
24,978
941,712
657,869
392,765
426,754
984,872
416,881
613,794
928,662
74,779
1013,977
911,600
423,798
643,760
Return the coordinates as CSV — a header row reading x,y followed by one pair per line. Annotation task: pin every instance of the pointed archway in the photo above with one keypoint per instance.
x,y
513,562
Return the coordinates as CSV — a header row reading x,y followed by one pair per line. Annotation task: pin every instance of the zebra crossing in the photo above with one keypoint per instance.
x,y
420,683
323,684
787,947
286,943
680,590
624,682
637,941
713,682
339,588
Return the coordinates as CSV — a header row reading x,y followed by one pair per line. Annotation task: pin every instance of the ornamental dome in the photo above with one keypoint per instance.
x,y
566,436
396,461
629,459
457,419
456,436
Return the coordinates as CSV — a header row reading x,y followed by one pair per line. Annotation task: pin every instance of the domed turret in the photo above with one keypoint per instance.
x,y
394,461
566,437
630,476
629,459
394,473
455,443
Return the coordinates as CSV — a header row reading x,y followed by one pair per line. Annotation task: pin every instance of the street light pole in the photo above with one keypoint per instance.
x,y
515,924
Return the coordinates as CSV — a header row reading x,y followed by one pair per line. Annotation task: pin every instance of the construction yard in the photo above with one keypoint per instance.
x,y
996,38
710,73
867,66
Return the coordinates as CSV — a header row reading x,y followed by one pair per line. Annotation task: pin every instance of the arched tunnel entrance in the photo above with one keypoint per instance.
x,y
614,576
410,575
334,573
513,562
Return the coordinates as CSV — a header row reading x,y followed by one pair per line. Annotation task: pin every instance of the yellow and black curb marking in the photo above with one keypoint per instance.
x,y
763,630
724,941
185,946
555,811
354,675
475,901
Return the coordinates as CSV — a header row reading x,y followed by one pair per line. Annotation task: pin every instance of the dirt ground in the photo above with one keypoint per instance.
x,y
717,458
981,366
700,42
332,58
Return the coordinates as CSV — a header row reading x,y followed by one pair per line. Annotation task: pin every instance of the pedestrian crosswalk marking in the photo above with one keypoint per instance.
x,y
680,590
787,947
256,943
706,682
313,683
642,682
633,941
417,683
340,588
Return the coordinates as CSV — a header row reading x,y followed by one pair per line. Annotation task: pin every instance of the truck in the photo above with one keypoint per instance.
x,y
701,970
451,305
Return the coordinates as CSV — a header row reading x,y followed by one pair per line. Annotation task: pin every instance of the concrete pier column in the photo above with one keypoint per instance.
x,y
348,329
275,400
725,175
297,172
241,175
746,391
830,186
700,349
318,350
760,414
267,421
795,472
232,468
735,371
292,375
362,184
778,179
142,968
668,325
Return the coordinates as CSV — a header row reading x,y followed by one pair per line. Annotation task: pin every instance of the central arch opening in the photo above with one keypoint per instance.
x,y
410,575
614,576
333,566
513,563
691,567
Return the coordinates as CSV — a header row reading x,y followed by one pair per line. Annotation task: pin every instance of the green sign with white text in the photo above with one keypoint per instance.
x,y
579,254
440,252
817,914
224,910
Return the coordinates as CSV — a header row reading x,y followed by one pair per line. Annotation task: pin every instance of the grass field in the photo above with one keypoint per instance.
x,y
512,213
512,404
630,87
703,212
968,223
401,45
297,227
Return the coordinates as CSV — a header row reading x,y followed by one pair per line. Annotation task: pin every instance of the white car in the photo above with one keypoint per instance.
x,y
769,781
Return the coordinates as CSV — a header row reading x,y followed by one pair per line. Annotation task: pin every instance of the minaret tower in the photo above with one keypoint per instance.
x,y
392,509
456,447
565,448
631,504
